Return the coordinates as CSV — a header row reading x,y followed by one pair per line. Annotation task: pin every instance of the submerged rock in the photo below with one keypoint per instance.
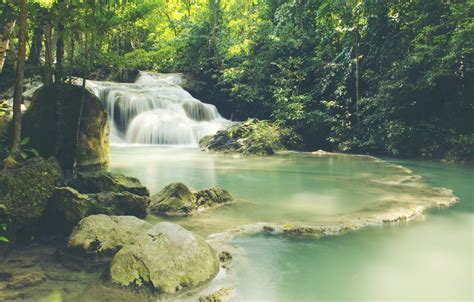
x,y
107,182
51,124
164,260
252,137
177,199
19,281
222,295
102,235
25,190
67,207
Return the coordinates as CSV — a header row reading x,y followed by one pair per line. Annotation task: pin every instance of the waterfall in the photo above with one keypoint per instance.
x,y
156,110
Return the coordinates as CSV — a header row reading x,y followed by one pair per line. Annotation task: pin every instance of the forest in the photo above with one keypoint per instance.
x,y
236,150
375,77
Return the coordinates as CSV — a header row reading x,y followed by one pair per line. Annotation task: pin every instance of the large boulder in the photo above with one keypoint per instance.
x,y
252,137
107,182
102,235
51,124
164,260
160,259
67,207
177,199
25,190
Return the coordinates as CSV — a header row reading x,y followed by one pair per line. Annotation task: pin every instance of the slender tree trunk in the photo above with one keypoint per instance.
x,y
357,75
58,77
59,54
71,59
5,40
18,93
48,43
36,46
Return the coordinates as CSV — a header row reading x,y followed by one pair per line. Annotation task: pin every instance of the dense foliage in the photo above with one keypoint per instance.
x,y
382,77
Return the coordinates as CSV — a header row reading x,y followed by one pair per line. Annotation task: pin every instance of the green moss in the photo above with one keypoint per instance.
x,y
25,190
252,137
107,182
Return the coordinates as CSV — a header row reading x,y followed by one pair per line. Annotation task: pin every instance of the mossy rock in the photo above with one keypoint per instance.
x,y
252,137
107,182
67,207
177,199
102,235
213,196
26,189
51,124
164,260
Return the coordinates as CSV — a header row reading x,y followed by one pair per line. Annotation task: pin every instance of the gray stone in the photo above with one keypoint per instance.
x,y
164,260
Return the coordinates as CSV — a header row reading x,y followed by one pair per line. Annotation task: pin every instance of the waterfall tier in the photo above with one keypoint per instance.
x,y
156,110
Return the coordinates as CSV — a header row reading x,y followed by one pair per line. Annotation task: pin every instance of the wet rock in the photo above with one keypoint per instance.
x,y
101,235
51,124
177,199
225,257
164,260
19,281
222,295
22,262
67,207
107,182
25,190
211,197
252,137
10,294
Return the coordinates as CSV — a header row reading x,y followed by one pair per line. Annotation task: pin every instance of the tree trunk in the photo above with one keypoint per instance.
x,y
18,93
36,46
357,75
5,40
71,58
48,43
59,53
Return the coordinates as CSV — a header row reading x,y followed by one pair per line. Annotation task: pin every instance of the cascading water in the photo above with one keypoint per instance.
x,y
156,110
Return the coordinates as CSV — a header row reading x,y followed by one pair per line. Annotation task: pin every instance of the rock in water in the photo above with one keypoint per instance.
x,y
25,190
160,259
252,137
164,260
212,196
67,207
174,199
107,182
177,199
101,235
51,124
222,295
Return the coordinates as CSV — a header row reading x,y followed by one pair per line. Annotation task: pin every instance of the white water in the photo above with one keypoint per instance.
x,y
156,110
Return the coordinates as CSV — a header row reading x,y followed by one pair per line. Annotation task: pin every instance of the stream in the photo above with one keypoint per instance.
x,y
304,226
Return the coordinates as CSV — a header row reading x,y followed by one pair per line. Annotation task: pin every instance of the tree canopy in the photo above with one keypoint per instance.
x,y
384,77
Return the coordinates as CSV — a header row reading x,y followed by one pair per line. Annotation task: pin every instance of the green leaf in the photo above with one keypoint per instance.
x,y
4,239
23,155
25,141
34,151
